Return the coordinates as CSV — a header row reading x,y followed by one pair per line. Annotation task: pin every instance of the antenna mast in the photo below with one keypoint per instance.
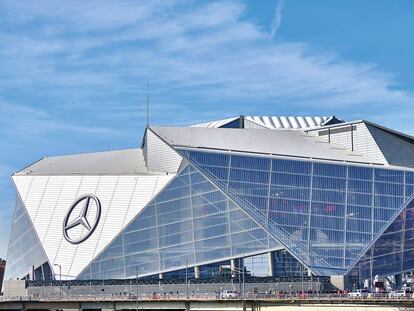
x,y
147,102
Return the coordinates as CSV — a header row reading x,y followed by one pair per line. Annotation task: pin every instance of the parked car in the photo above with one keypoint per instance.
x,y
228,294
358,293
401,293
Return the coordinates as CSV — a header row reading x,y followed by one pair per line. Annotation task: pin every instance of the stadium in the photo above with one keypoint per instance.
x,y
272,196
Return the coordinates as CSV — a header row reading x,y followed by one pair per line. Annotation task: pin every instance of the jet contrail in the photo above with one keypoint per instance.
x,y
277,18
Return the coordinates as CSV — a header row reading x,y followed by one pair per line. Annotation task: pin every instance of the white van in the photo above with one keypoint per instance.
x,y
358,293
401,293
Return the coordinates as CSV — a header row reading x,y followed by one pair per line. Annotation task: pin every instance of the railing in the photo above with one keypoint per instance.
x,y
300,297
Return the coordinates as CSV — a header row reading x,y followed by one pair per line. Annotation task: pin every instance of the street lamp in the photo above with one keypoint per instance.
x,y
137,285
60,280
244,284
242,272
186,276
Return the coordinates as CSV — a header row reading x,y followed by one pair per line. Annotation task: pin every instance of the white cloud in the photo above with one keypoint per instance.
x,y
193,49
80,67
277,18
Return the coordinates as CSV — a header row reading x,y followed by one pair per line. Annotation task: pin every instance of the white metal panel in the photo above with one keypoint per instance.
x,y
35,194
23,183
282,142
272,122
116,162
122,198
47,207
88,185
54,236
218,123
160,157
253,125
66,252
121,202
359,139
287,122
343,139
365,143
86,250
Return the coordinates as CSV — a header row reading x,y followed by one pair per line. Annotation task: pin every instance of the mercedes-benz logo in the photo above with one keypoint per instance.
x,y
80,225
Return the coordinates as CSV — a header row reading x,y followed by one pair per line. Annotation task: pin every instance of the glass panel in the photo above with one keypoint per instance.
x,y
361,173
25,250
289,166
301,197
390,176
257,265
393,252
187,224
329,170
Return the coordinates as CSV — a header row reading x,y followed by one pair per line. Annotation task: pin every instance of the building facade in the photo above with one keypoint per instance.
x,y
269,196
2,268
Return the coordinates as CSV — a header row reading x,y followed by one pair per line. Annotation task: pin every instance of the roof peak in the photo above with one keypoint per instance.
x,y
272,122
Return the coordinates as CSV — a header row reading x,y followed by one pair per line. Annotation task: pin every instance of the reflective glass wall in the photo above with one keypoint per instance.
x,y
393,252
285,265
257,266
325,213
25,251
189,223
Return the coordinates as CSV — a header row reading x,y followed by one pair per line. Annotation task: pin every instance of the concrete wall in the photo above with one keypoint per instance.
x,y
14,288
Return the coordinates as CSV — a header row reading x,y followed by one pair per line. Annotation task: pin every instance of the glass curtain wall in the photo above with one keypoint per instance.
x,y
285,265
393,252
257,266
325,213
25,250
189,223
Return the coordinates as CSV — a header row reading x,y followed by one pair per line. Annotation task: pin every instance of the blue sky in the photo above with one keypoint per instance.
x,y
73,73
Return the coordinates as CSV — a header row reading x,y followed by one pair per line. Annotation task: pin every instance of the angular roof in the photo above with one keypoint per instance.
x,y
217,123
291,122
119,162
384,144
263,141
277,122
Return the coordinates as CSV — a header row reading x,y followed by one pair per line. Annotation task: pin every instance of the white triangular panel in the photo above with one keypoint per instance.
x,y
48,198
159,156
25,186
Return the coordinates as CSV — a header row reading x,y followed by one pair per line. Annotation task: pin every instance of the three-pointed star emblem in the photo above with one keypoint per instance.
x,y
88,202
81,219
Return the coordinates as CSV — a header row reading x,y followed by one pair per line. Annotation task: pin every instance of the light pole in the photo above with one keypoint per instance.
x,y
137,286
244,283
186,276
302,272
241,272
60,280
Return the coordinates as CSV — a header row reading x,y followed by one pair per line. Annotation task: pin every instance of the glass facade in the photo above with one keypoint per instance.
x,y
393,251
285,265
25,253
257,266
325,214
225,205
189,223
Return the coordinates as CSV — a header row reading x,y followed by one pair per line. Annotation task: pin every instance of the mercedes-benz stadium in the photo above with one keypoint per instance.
x,y
274,196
